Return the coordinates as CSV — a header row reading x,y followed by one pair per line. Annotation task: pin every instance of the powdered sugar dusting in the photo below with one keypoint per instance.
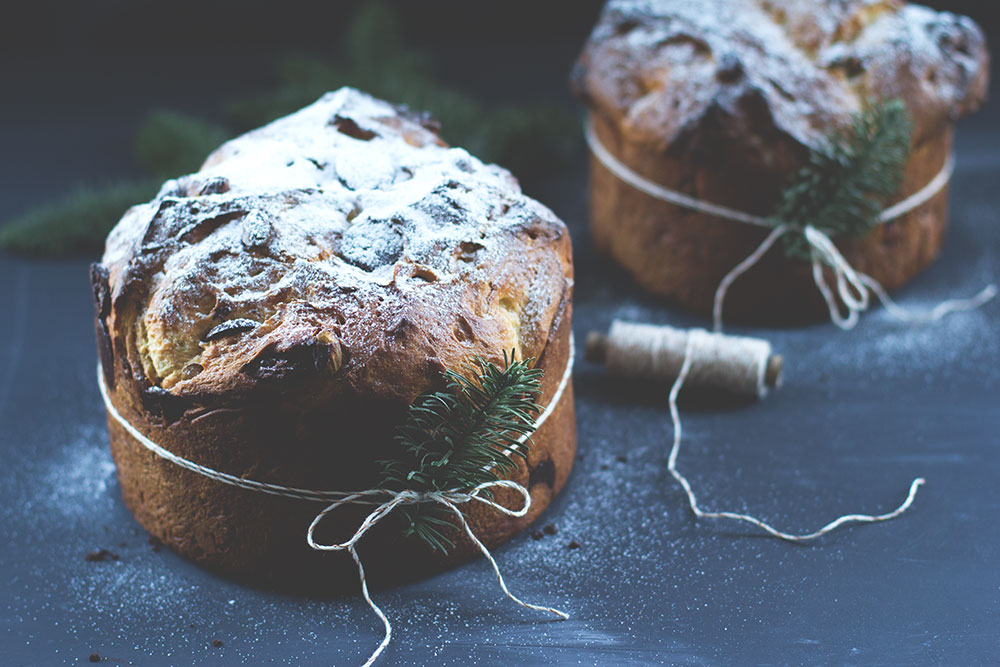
x,y
745,70
350,209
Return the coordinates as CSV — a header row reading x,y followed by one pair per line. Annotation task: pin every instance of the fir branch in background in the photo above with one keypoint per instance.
x,y
456,439
170,143
847,182
531,141
76,223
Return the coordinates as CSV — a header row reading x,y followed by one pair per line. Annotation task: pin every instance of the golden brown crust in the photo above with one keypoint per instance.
x,y
682,254
764,80
724,105
261,538
273,315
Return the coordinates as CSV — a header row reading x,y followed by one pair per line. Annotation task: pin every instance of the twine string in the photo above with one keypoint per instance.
x,y
450,500
384,500
693,341
853,288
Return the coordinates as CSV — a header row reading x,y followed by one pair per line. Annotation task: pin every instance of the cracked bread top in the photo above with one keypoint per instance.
x,y
774,76
344,242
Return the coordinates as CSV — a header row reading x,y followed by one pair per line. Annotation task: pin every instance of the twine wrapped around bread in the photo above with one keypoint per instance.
x,y
854,289
384,500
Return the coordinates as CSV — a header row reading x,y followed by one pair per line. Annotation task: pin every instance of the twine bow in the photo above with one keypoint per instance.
x,y
853,287
384,500
449,499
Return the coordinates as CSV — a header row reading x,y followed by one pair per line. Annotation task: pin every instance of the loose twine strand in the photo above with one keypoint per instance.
x,y
693,340
853,287
449,499
385,500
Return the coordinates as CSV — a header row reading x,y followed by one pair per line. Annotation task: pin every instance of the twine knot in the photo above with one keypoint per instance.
x,y
853,288
384,500
449,499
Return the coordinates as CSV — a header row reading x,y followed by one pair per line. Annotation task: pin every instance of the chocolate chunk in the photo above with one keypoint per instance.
x,y
216,643
94,657
370,244
164,405
100,555
230,327
573,544
191,370
550,529
730,69
537,535
351,129
302,360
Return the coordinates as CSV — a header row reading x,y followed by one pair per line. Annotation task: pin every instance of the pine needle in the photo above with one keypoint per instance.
x,y
456,439
848,180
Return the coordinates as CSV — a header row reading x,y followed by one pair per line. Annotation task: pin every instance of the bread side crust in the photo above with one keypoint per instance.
x,y
684,254
261,538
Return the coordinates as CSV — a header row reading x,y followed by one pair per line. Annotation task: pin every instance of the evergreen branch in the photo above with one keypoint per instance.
x,y
532,141
170,143
76,223
456,439
844,187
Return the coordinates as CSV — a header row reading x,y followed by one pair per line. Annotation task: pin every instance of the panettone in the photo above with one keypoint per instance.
x,y
273,316
723,101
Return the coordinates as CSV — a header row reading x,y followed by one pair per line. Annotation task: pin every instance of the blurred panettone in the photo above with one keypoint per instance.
x,y
723,101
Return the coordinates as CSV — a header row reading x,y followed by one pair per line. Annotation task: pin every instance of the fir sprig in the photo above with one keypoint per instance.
x,y
458,438
531,140
75,223
843,188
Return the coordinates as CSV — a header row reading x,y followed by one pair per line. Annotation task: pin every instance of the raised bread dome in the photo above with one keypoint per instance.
x,y
723,99
349,226
274,314
771,77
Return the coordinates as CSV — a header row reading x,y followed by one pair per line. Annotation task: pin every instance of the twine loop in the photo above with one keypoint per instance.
x,y
852,287
396,499
450,500
384,500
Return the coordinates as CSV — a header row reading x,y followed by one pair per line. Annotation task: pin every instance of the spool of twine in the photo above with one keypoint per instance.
x,y
735,364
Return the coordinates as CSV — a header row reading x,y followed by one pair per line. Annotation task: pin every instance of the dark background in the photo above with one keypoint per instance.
x,y
73,63
860,415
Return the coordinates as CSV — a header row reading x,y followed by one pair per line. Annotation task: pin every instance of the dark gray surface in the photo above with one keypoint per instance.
x,y
860,415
